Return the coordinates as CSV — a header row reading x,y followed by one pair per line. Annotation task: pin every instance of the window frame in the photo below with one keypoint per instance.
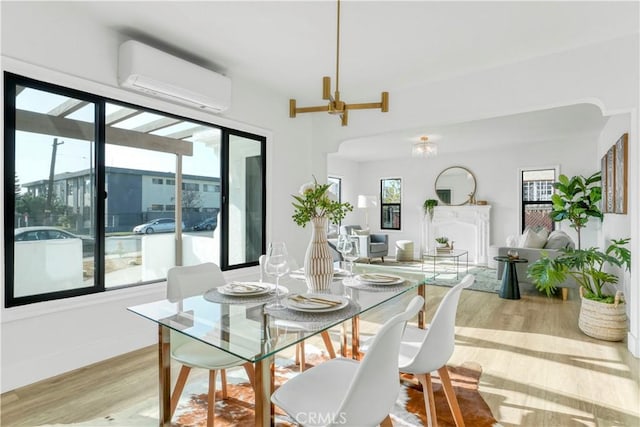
x,y
390,206
10,82
524,203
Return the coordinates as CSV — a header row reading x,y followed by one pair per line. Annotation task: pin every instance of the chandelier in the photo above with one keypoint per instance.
x,y
424,148
336,105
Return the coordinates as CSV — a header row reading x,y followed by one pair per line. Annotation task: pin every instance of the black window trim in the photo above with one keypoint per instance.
x,y
11,81
383,205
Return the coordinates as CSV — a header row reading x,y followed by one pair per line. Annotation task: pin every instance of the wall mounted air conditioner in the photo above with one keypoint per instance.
x,y
152,71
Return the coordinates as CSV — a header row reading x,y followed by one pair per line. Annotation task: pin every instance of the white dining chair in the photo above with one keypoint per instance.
x,y
295,327
347,392
184,282
423,351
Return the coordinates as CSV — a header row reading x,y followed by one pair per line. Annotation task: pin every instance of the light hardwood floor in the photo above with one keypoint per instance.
x,y
538,370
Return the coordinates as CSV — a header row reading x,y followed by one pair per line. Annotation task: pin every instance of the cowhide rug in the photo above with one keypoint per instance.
x,y
237,409
408,411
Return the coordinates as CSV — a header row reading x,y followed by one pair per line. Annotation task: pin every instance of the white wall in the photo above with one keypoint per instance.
x,y
497,180
42,41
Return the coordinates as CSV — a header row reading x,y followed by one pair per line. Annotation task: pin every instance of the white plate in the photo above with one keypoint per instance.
x,y
245,288
312,307
379,279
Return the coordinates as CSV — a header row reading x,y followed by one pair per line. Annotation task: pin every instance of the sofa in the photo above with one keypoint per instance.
x,y
372,245
530,246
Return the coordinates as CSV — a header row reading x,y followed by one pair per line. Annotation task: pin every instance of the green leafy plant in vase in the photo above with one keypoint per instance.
x,y
316,205
602,313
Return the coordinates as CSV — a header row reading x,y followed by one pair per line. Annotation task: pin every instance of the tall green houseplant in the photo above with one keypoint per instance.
x,y
576,200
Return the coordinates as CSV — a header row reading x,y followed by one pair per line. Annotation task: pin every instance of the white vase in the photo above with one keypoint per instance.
x,y
318,262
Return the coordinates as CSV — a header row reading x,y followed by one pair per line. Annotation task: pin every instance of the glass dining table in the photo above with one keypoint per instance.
x,y
246,327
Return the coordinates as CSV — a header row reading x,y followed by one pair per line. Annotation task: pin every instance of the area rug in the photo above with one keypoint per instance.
x,y
446,274
237,409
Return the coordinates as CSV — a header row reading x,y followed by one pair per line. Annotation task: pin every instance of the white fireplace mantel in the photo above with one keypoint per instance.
x,y
468,226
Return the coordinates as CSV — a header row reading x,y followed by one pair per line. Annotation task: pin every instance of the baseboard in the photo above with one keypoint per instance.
x,y
633,345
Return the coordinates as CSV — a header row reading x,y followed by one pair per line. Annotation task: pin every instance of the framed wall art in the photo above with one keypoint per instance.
x,y
603,175
609,189
620,175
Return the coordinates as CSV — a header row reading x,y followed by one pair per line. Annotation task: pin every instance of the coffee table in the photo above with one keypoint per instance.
x,y
455,255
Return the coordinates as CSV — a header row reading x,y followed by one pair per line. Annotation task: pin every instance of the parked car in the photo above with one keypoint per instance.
x,y
160,225
24,234
207,224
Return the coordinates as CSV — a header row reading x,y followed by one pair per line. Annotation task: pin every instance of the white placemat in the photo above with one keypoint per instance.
x,y
214,296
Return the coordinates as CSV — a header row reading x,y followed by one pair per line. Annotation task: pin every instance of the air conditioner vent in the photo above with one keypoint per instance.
x,y
154,72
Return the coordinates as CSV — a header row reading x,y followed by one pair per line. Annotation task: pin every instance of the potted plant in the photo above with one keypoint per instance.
x,y
602,313
428,206
315,204
442,242
576,199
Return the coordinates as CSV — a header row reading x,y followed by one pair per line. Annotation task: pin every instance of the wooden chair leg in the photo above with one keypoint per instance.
x,y
429,402
386,422
177,390
303,362
211,402
565,294
327,343
248,367
451,396
223,378
297,361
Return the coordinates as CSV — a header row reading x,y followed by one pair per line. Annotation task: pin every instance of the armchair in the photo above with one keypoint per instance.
x,y
371,245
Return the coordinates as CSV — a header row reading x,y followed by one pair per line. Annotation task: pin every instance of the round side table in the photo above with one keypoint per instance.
x,y
510,288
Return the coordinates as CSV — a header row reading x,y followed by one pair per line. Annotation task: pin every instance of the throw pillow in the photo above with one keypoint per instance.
x,y
533,239
558,240
361,232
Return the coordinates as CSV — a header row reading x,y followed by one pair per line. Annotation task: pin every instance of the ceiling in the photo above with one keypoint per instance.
x,y
385,45
535,127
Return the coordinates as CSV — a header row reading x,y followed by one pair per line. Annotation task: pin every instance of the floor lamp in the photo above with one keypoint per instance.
x,y
365,202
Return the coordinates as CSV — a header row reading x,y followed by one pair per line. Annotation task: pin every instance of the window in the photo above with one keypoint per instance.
x,y
210,188
390,208
64,147
335,188
536,205
190,186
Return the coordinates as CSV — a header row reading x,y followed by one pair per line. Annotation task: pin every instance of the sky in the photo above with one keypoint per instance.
x,y
34,151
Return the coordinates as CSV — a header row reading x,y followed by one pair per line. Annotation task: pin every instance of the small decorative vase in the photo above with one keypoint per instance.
x,y
318,262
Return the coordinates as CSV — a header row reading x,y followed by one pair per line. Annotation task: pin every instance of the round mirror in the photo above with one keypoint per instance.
x,y
455,185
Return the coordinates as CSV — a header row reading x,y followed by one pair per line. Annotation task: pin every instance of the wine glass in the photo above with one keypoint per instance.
x,y
344,247
353,252
277,264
